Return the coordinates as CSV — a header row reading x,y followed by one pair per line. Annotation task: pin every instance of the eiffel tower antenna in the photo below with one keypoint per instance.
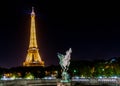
x,y
33,57
32,9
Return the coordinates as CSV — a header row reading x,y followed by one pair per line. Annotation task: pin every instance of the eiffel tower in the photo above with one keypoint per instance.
x,y
33,57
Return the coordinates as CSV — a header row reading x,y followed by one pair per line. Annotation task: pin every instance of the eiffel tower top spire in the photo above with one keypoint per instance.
x,y
33,10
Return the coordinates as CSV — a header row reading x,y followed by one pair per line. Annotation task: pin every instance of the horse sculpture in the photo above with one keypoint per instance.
x,y
65,60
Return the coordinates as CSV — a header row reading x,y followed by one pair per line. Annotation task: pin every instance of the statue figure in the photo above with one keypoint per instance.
x,y
65,62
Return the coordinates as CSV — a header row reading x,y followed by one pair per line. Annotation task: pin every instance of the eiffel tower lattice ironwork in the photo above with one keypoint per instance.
x,y
33,57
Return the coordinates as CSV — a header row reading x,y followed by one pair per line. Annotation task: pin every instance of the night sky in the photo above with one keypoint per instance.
x,y
91,29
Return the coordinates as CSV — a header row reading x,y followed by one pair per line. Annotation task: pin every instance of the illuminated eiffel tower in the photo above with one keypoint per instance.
x,y
33,57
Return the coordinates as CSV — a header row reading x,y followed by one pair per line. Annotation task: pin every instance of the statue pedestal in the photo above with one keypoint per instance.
x,y
65,81
63,84
65,77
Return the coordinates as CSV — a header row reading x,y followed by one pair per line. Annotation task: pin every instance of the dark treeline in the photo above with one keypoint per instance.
x,y
83,68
